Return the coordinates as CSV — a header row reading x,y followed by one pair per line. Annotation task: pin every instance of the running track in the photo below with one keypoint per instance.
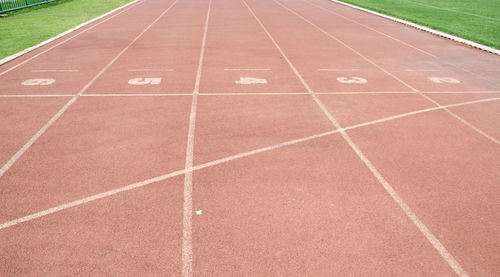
x,y
250,138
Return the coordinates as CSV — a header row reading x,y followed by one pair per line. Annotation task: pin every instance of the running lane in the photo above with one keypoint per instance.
x,y
248,62
164,59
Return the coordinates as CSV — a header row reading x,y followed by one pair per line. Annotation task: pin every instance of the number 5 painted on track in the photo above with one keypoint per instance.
x,y
38,82
353,80
144,81
440,80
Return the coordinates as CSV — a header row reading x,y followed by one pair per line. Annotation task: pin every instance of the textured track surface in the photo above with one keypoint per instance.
x,y
250,138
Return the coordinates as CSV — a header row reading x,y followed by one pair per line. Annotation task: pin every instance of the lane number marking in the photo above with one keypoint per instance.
x,y
250,81
353,80
38,82
144,81
440,80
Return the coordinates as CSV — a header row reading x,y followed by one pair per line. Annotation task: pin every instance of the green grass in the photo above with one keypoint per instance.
x,y
27,27
477,20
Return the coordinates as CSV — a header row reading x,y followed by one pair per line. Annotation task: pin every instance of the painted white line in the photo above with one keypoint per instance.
x,y
35,95
137,95
423,70
409,213
426,29
187,220
247,69
364,92
252,93
56,70
151,70
27,50
335,69
221,161
347,46
33,139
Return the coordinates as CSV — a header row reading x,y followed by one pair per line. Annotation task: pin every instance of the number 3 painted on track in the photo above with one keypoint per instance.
x,y
144,81
353,80
38,82
440,80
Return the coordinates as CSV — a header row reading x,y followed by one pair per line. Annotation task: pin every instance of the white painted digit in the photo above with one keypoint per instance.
x,y
38,82
250,80
353,80
144,81
440,80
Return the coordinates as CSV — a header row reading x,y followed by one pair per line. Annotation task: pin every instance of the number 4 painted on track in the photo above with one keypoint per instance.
x,y
38,82
144,81
440,80
353,80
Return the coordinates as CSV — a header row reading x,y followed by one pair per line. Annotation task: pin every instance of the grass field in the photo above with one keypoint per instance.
x,y
27,27
477,20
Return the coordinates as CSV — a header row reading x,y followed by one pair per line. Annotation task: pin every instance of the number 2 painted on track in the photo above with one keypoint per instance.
x,y
38,82
440,80
144,81
353,80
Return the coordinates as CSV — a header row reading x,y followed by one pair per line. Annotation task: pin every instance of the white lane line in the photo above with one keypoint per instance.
x,y
364,92
337,69
33,139
221,161
137,95
35,95
409,213
151,70
55,70
347,46
387,72
7,59
423,70
187,220
252,93
247,69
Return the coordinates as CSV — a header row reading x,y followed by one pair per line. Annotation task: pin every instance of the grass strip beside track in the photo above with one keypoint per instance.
x,y
27,27
477,20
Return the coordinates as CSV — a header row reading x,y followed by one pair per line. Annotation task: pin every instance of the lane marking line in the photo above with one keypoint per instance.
x,y
151,70
137,95
220,161
35,137
125,8
387,72
55,70
334,69
423,70
187,219
35,95
247,69
452,262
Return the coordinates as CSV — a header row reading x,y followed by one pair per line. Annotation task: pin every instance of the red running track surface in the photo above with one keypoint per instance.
x,y
250,138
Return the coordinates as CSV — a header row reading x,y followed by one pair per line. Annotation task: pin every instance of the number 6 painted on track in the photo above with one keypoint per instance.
x,y
38,82
353,80
144,81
